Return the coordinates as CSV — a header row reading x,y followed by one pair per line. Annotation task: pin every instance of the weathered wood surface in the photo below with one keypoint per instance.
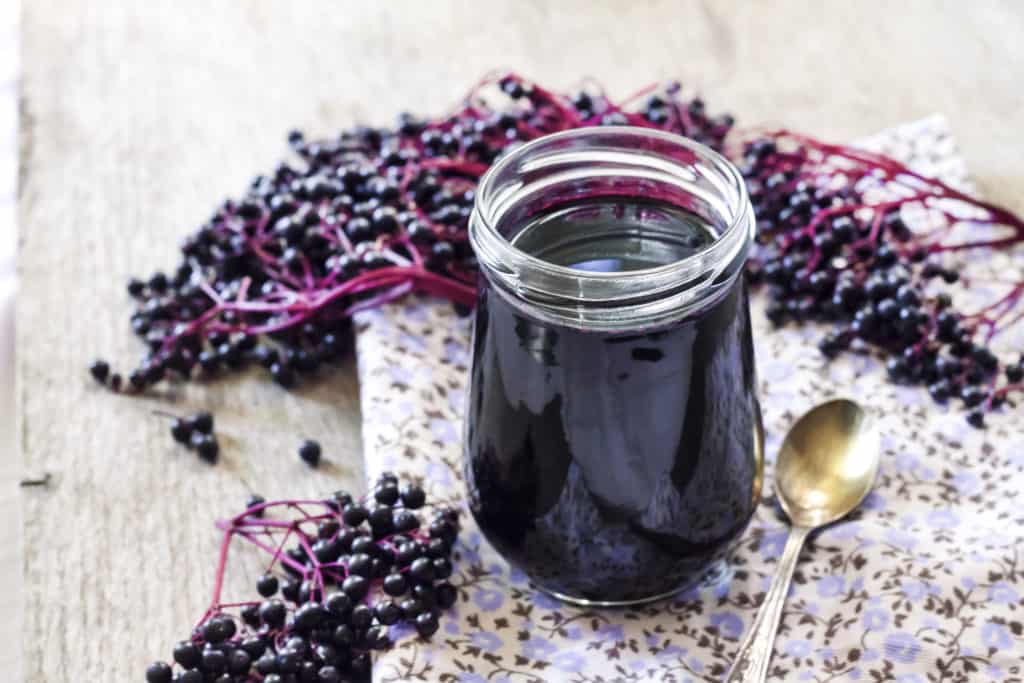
x,y
139,117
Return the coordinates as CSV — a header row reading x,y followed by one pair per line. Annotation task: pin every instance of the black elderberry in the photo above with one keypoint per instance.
x,y
407,552
426,624
328,674
422,569
288,662
413,497
403,521
202,422
343,635
181,431
387,612
355,587
354,514
411,607
273,613
445,594
158,672
1015,373
972,396
360,565
283,375
213,661
364,545
251,615
310,452
267,665
100,370
395,584
255,500
442,527
361,617
267,585
327,529
339,605
442,567
438,547
309,616
206,447
218,629
361,665
386,493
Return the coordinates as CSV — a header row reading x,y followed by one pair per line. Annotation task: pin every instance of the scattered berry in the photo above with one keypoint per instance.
x,y
181,431
206,447
202,422
99,370
310,451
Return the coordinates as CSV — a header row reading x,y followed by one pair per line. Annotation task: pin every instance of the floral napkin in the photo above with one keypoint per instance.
x,y
925,583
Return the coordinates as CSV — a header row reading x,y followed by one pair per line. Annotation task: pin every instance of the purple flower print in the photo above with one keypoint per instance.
x,y
910,678
830,586
611,632
568,661
875,619
443,430
915,590
966,483
455,353
729,625
901,539
516,576
539,648
457,400
902,647
439,473
488,599
874,502
798,648
1003,593
413,343
996,635
772,543
943,519
486,641
545,601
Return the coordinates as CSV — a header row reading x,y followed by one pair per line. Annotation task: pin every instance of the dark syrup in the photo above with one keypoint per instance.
x,y
613,466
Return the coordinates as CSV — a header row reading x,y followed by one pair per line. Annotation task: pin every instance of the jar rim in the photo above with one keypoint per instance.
x,y
570,295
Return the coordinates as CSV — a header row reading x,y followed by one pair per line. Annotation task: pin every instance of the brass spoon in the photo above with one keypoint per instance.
x,y
825,468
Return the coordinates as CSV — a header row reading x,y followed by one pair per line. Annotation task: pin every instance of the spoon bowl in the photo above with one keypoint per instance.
x,y
827,463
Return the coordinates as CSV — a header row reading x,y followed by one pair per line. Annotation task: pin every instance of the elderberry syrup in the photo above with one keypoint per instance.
x,y
613,445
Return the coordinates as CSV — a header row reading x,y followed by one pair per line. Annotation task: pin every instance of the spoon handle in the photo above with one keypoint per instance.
x,y
756,649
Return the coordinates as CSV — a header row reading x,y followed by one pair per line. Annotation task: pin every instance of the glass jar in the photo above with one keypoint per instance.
x,y
613,446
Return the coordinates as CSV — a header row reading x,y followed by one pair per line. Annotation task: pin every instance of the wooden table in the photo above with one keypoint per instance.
x,y
139,117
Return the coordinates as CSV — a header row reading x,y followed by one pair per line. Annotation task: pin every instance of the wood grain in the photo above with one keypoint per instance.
x,y
139,117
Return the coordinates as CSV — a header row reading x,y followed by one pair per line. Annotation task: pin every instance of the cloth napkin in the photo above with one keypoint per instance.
x,y
924,583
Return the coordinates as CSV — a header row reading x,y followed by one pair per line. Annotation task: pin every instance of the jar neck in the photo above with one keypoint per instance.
x,y
625,163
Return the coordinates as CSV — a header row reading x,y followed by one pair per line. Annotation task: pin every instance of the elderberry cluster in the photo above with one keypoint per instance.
x,y
825,259
329,600
272,278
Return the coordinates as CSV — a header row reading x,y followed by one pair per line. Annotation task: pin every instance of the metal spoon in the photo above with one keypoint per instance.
x,y
825,468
